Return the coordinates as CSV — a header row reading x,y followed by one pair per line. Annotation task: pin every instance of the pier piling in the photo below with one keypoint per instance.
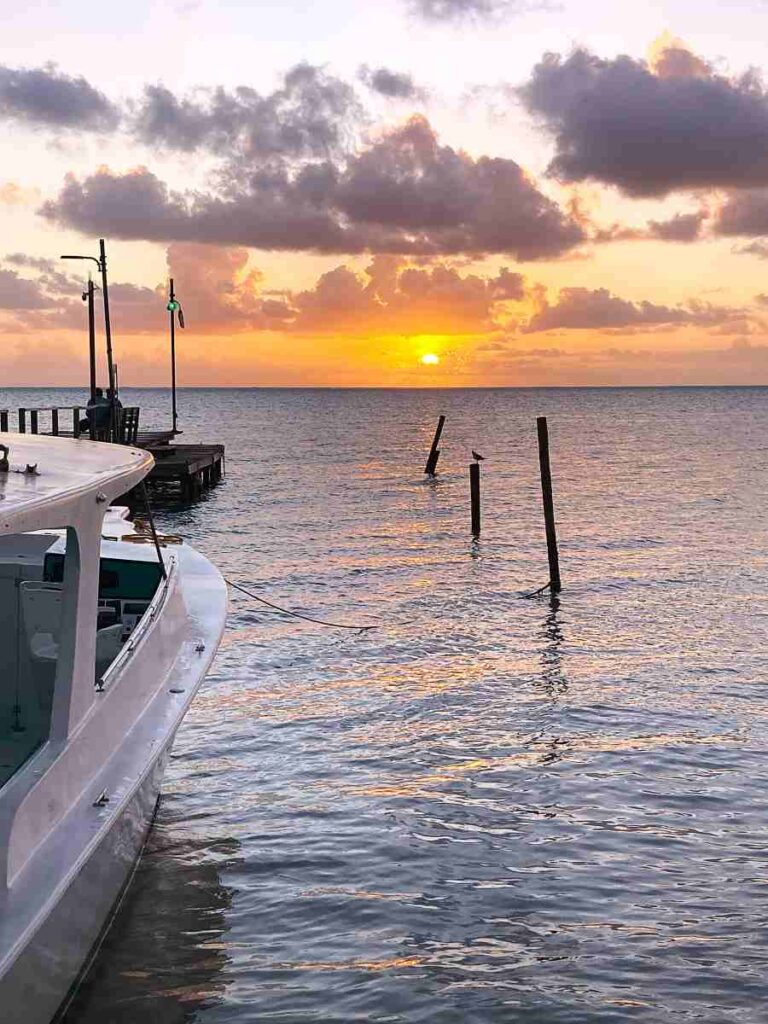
x,y
474,496
555,584
434,452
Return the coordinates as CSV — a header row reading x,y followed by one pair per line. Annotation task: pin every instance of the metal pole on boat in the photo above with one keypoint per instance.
x,y
155,538
172,307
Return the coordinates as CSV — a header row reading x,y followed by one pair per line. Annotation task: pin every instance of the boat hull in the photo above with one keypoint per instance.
x,y
42,976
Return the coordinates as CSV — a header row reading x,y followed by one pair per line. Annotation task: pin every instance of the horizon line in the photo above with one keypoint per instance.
x,y
381,387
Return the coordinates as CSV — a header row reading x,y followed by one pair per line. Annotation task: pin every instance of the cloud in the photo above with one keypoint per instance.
x,y
599,309
672,59
757,248
47,97
404,194
219,289
393,297
683,227
20,293
221,292
295,171
311,114
743,213
392,84
461,10
650,131
13,194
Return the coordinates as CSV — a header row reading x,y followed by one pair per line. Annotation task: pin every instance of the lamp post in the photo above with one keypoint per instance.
x,y
101,263
88,296
173,308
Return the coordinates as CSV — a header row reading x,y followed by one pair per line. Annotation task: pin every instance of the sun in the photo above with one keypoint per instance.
x,y
430,359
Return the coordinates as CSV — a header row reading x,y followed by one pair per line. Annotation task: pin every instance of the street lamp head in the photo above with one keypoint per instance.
x,y
96,261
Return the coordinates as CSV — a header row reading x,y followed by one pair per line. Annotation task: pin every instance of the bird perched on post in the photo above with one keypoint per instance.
x,y
477,456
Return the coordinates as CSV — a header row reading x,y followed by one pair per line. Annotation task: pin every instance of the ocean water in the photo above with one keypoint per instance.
x,y
489,808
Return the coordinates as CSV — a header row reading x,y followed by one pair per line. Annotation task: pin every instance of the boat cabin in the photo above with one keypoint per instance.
x,y
32,567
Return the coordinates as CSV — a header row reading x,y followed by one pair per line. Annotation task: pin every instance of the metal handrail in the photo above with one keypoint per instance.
x,y
29,419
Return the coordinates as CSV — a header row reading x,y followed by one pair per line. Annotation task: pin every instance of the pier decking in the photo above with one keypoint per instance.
x,y
192,468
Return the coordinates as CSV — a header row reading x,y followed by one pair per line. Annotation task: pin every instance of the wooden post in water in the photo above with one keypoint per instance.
x,y
474,497
434,452
555,585
4,421
33,420
55,421
22,421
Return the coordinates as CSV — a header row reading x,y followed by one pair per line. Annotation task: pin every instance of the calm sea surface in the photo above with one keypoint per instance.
x,y
487,809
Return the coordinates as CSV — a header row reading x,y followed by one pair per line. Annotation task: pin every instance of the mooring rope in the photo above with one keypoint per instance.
x,y
297,615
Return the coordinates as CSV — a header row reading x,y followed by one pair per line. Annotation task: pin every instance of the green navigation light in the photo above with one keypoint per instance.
x,y
172,306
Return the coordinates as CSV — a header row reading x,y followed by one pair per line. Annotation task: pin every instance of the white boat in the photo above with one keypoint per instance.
x,y
102,648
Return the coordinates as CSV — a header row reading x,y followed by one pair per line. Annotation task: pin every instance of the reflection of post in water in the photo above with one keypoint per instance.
x,y
163,958
552,674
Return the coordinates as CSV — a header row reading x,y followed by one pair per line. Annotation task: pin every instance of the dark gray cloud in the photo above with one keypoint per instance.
x,y
461,10
599,309
743,213
47,97
392,84
22,259
21,293
683,227
404,194
618,122
310,115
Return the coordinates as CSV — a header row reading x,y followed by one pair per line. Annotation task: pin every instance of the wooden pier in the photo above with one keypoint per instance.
x,y
192,468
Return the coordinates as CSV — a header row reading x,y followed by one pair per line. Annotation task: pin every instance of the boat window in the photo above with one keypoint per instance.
x,y
30,612
119,579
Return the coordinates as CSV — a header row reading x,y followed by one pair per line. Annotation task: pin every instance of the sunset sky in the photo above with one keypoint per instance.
x,y
400,193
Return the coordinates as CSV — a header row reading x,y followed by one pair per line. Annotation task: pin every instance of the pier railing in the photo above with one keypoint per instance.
x,y
65,420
